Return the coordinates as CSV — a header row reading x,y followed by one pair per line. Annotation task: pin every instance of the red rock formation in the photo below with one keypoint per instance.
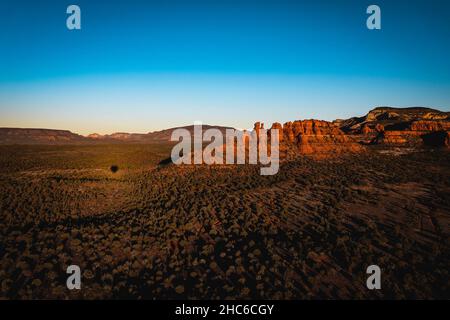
x,y
315,137
258,126
387,116
420,132
279,127
399,126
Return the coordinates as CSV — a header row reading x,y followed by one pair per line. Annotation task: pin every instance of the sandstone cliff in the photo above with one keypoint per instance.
x,y
316,137
422,132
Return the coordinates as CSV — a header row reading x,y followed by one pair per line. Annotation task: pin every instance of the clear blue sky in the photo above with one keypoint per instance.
x,y
140,66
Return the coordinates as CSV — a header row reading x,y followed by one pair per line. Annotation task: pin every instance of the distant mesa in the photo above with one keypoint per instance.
x,y
388,126
388,116
40,136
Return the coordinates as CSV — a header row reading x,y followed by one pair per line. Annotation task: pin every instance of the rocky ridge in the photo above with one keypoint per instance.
x,y
400,127
313,137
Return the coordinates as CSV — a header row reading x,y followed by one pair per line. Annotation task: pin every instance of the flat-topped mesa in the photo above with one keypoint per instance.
x,y
314,137
39,136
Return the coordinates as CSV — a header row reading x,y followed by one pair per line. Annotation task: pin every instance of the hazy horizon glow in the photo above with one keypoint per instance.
x,y
143,66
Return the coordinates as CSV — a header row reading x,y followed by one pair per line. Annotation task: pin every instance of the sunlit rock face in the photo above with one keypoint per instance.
x,y
412,127
313,137
416,133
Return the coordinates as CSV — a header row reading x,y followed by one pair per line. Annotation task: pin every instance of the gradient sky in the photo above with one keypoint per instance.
x,y
139,66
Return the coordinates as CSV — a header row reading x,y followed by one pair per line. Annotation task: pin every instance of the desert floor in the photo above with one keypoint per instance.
x,y
158,231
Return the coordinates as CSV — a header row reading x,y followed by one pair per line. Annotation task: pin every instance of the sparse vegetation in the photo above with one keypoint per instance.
x,y
163,231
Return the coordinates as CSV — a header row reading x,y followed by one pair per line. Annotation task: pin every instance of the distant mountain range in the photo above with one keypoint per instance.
x,y
382,125
59,137
156,136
